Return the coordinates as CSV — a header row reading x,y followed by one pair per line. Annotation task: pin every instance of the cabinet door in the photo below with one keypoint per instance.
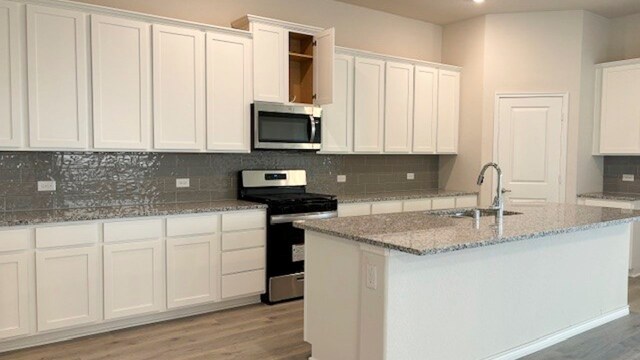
x,y
269,65
398,107
121,90
386,207
228,93
11,104
368,105
425,110
191,270
448,111
620,110
67,287
133,278
57,78
14,297
323,53
178,88
337,118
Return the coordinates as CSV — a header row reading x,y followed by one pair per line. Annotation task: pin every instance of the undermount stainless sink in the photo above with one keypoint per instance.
x,y
462,213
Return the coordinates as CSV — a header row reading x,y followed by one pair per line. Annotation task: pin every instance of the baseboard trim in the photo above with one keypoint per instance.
x,y
27,341
560,336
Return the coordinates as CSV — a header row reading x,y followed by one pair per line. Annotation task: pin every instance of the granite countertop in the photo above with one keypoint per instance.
x,y
23,218
401,195
429,232
611,196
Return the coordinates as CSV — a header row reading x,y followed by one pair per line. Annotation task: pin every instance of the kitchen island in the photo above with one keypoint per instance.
x,y
438,285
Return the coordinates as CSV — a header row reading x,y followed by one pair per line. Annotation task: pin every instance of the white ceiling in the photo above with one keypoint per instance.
x,y
448,11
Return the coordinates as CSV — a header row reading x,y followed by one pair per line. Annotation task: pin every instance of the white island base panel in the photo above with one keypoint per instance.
x,y
495,302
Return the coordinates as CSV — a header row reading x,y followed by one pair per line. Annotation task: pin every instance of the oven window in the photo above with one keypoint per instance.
x,y
281,127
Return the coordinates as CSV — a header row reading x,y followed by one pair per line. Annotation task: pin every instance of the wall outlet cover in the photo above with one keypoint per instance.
x,y
342,178
182,183
411,176
49,185
628,177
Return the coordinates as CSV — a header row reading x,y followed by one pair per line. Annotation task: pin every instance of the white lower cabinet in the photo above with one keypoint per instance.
x,y
191,263
443,203
67,287
417,205
133,278
357,209
14,294
386,207
250,282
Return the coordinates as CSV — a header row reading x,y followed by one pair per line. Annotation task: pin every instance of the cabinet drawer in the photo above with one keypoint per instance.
x,y
13,240
192,225
243,239
466,201
243,260
67,235
243,220
443,203
251,282
386,207
417,205
345,210
609,203
133,230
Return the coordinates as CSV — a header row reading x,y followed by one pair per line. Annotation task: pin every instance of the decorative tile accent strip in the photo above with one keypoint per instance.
x,y
86,179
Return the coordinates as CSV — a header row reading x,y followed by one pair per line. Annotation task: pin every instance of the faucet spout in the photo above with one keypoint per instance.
x,y
498,201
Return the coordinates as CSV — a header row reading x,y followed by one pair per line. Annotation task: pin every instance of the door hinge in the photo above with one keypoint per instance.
x,y
314,43
314,97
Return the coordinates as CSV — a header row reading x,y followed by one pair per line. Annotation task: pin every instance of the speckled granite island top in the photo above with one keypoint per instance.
x,y
430,232
611,196
401,195
22,218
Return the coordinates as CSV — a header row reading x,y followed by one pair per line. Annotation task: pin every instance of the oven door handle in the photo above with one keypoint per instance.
x,y
312,122
287,218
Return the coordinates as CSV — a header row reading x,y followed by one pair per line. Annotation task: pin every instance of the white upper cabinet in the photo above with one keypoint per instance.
x,y
292,63
398,107
178,88
425,110
11,101
57,78
269,67
448,111
368,105
620,110
323,66
229,79
337,118
121,83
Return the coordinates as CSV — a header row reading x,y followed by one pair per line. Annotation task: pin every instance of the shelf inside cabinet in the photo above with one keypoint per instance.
x,y
300,57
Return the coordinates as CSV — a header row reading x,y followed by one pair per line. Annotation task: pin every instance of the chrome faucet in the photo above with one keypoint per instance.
x,y
498,201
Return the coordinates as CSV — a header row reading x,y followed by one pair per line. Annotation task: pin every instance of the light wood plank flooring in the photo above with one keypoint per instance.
x,y
275,332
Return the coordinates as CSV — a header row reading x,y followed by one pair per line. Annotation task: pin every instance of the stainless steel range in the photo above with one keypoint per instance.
x,y
284,191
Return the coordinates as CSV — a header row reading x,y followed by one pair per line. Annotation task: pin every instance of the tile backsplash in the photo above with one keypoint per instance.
x,y
112,179
615,167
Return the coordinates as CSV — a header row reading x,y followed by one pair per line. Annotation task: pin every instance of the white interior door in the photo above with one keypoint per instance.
x,y
323,51
530,148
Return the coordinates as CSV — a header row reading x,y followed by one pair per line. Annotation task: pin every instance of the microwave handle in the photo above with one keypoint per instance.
x,y
312,121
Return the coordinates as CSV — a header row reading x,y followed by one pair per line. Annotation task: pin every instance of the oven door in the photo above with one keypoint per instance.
x,y
286,127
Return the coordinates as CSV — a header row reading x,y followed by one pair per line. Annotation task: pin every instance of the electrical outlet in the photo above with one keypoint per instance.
x,y
342,178
411,176
182,183
372,277
628,177
49,185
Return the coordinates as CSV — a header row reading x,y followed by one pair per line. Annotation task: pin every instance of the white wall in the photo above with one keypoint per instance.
x,y
356,27
625,35
464,45
528,53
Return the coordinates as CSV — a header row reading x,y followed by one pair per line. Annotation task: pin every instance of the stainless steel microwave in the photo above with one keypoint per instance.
x,y
278,126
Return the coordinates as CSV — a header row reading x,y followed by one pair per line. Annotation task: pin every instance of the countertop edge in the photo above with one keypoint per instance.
x,y
407,196
488,242
610,196
115,216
